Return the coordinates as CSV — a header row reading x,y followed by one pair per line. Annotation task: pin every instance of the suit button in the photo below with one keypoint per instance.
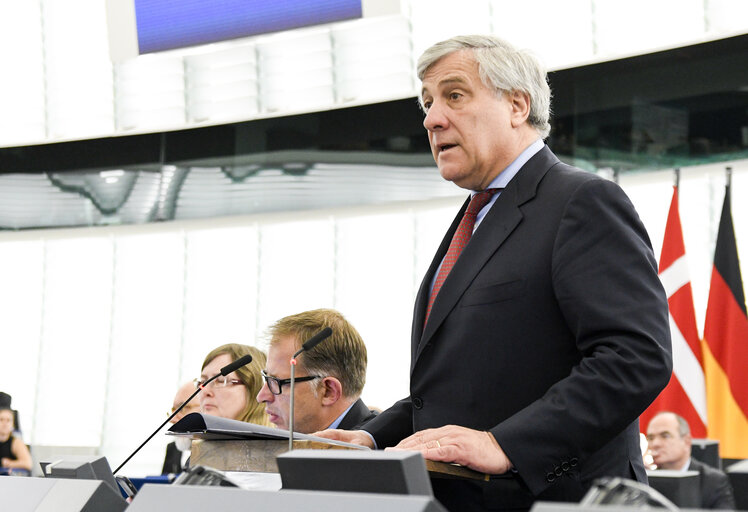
x,y
565,466
557,471
550,477
417,403
574,461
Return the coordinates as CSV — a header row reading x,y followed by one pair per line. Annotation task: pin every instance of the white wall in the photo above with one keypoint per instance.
x,y
100,325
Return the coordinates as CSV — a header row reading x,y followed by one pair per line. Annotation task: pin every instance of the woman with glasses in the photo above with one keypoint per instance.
x,y
233,396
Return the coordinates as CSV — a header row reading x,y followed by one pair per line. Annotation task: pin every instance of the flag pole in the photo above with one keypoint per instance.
x,y
677,180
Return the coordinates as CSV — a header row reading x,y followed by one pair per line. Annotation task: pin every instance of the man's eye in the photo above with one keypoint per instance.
x,y
454,95
426,105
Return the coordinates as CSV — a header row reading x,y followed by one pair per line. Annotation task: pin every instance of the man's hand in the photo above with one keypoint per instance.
x,y
347,436
472,448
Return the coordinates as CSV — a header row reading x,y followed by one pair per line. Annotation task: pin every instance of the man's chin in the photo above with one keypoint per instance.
x,y
457,177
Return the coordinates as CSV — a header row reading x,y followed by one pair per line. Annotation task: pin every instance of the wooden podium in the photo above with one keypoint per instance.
x,y
231,445
259,455
249,455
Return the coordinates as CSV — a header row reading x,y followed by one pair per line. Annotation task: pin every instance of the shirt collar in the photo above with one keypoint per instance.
x,y
685,467
335,423
505,176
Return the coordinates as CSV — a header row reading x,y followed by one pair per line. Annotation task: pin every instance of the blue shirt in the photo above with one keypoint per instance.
x,y
505,176
335,423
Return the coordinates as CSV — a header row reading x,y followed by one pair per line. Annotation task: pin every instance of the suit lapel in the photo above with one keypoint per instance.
x,y
494,229
356,415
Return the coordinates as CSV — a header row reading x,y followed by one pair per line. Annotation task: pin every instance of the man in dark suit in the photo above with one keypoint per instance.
x,y
669,437
178,451
540,331
329,377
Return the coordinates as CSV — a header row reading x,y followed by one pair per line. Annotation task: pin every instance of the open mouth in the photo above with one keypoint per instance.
x,y
446,147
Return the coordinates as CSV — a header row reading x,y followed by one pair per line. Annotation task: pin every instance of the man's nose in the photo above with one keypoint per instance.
x,y
264,395
435,118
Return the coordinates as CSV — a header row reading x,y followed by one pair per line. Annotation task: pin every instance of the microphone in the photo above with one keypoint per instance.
x,y
314,340
307,345
231,367
244,360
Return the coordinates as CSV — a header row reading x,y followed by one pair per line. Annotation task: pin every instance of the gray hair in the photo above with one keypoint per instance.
x,y
502,67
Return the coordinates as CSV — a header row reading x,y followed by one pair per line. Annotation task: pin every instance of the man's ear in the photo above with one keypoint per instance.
x,y
520,102
332,390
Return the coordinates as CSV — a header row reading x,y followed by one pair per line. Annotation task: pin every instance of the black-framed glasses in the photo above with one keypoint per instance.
x,y
275,385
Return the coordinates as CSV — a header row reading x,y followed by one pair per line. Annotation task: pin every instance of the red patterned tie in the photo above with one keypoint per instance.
x,y
459,241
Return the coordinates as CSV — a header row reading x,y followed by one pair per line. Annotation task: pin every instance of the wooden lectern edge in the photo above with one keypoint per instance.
x,y
203,447
439,469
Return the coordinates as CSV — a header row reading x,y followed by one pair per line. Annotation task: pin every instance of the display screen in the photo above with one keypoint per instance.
x,y
166,25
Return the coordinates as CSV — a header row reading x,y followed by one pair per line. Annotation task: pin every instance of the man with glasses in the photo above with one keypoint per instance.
x,y
329,377
669,438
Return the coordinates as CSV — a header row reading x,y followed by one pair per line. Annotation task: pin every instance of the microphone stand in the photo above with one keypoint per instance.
x,y
290,405
307,345
244,360
168,420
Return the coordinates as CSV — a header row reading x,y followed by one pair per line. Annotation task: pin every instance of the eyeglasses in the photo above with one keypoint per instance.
x,y
220,382
276,385
665,436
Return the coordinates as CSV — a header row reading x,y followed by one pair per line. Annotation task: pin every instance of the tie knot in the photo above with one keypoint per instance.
x,y
480,200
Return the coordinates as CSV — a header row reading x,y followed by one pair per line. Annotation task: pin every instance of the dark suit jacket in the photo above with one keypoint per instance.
x,y
358,415
551,332
716,491
172,460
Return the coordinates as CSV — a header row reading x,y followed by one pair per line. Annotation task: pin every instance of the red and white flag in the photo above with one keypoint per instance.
x,y
685,394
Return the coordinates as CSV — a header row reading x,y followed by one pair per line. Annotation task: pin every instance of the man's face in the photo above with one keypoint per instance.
x,y
308,406
182,395
669,449
469,125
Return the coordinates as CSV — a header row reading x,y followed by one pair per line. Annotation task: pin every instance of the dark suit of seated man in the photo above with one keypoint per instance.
x,y
329,377
178,450
669,438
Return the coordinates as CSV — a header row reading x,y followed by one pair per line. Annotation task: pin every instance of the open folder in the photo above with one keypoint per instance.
x,y
205,426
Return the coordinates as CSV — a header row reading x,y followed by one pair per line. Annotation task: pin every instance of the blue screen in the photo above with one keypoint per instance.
x,y
165,25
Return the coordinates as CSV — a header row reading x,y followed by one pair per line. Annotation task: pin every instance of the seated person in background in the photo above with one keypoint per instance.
x,y
14,454
329,377
5,400
669,439
232,396
178,450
